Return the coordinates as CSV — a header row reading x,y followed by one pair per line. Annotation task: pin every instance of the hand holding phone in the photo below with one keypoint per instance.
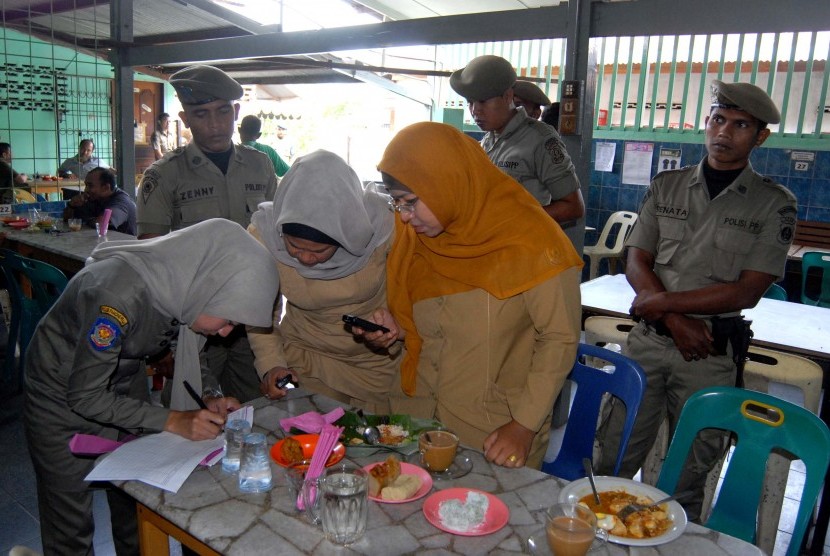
x,y
364,324
285,381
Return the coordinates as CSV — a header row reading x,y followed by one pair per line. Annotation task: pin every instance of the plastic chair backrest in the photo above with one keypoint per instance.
x,y
776,292
815,259
761,422
605,330
33,288
627,382
625,220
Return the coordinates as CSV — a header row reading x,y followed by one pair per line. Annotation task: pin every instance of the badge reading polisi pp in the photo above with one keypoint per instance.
x,y
104,334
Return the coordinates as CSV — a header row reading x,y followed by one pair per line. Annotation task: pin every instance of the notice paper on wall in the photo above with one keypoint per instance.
x,y
637,163
604,160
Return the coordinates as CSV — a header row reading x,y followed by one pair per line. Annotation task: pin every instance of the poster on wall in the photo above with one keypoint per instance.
x,y
604,160
637,163
669,159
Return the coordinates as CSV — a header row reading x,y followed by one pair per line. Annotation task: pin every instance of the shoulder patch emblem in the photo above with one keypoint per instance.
x,y
114,313
104,334
555,149
148,184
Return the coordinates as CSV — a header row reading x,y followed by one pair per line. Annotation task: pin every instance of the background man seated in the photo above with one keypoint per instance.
x,y
102,192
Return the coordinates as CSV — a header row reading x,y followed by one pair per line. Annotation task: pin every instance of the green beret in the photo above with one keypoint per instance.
x,y
484,77
530,92
202,84
746,97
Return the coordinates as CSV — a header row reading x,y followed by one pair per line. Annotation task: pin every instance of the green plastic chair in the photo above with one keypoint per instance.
x,y
776,292
45,283
814,259
761,422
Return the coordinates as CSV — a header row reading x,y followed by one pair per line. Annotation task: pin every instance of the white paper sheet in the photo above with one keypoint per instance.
x,y
637,163
163,460
604,160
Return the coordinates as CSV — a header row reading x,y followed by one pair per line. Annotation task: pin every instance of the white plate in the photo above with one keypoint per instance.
x,y
574,491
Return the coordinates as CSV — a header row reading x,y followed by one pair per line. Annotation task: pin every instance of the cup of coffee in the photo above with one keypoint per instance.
x,y
570,528
75,224
438,449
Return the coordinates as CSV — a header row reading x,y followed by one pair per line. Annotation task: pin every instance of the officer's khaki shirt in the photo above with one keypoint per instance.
x,y
697,242
185,187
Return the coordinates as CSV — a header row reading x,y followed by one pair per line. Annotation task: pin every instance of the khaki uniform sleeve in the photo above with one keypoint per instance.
x,y
266,343
154,202
555,307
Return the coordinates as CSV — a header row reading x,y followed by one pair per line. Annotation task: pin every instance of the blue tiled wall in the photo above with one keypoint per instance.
x,y
607,193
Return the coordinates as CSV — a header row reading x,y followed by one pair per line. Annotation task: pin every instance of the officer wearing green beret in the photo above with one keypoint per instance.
x,y
209,178
709,241
523,147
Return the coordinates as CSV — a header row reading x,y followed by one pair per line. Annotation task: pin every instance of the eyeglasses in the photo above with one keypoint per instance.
x,y
399,205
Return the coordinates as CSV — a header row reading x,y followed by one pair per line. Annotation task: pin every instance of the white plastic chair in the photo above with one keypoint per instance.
x,y
624,220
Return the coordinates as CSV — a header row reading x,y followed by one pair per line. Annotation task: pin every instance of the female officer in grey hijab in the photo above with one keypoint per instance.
x,y
330,238
129,301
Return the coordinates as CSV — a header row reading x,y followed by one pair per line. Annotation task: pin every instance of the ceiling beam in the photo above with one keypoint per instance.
x,y
235,19
56,7
524,24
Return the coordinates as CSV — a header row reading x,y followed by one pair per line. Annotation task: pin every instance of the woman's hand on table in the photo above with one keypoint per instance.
x,y
509,445
380,339
195,425
268,386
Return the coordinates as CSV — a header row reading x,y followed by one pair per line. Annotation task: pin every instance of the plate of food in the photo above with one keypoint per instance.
x,y
13,218
466,511
294,449
646,528
395,482
398,432
18,224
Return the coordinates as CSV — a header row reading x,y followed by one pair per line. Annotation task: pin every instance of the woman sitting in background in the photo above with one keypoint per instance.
x,y
330,239
485,288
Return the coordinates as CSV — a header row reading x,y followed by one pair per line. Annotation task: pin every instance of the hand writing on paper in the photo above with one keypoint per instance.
x,y
201,424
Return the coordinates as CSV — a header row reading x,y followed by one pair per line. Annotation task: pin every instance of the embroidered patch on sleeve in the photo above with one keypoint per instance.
x,y
114,313
556,150
104,334
148,183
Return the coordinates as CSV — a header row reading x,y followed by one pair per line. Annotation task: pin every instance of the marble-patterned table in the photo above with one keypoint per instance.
x,y
210,509
67,251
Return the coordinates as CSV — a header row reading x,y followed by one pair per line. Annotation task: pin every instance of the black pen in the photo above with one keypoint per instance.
x,y
196,397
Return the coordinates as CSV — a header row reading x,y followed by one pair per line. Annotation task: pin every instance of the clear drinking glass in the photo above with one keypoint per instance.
x,y
235,431
570,528
345,504
254,465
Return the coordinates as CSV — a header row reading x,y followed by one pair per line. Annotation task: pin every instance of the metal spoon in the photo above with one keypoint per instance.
x,y
589,471
371,435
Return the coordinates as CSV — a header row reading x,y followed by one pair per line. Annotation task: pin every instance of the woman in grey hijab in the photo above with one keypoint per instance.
x,y
82,366
330,238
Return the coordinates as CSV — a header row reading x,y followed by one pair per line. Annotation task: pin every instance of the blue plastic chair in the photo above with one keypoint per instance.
x,y
761,423
33,288
627,382
776,292
814,259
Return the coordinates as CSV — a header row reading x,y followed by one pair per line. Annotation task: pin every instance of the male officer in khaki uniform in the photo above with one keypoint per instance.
x,y
209,178
709,241
523,147
529,96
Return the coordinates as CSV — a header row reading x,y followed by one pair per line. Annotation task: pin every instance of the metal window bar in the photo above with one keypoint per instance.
x,y
739,57
642,84
600,83
805,89
670,90
822,101
656,83
785,104
628,71
702,92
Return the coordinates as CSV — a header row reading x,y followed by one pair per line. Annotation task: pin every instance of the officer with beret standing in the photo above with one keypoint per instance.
x,y
523,147
709,241
529,96
209,178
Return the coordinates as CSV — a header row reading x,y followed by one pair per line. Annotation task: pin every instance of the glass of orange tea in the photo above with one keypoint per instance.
x,y
570,529
438,449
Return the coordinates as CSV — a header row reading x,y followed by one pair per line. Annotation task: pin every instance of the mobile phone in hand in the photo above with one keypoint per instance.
x,y
363,323
286,381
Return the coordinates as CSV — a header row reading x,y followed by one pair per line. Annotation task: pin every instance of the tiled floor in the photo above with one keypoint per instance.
x,y
18,503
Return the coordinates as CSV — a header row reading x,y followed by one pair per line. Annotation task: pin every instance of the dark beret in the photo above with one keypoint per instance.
x,y
530,92
746,97
202,84
484,77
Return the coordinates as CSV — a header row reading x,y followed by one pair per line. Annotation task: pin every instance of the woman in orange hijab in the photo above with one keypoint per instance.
x,y
483,288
